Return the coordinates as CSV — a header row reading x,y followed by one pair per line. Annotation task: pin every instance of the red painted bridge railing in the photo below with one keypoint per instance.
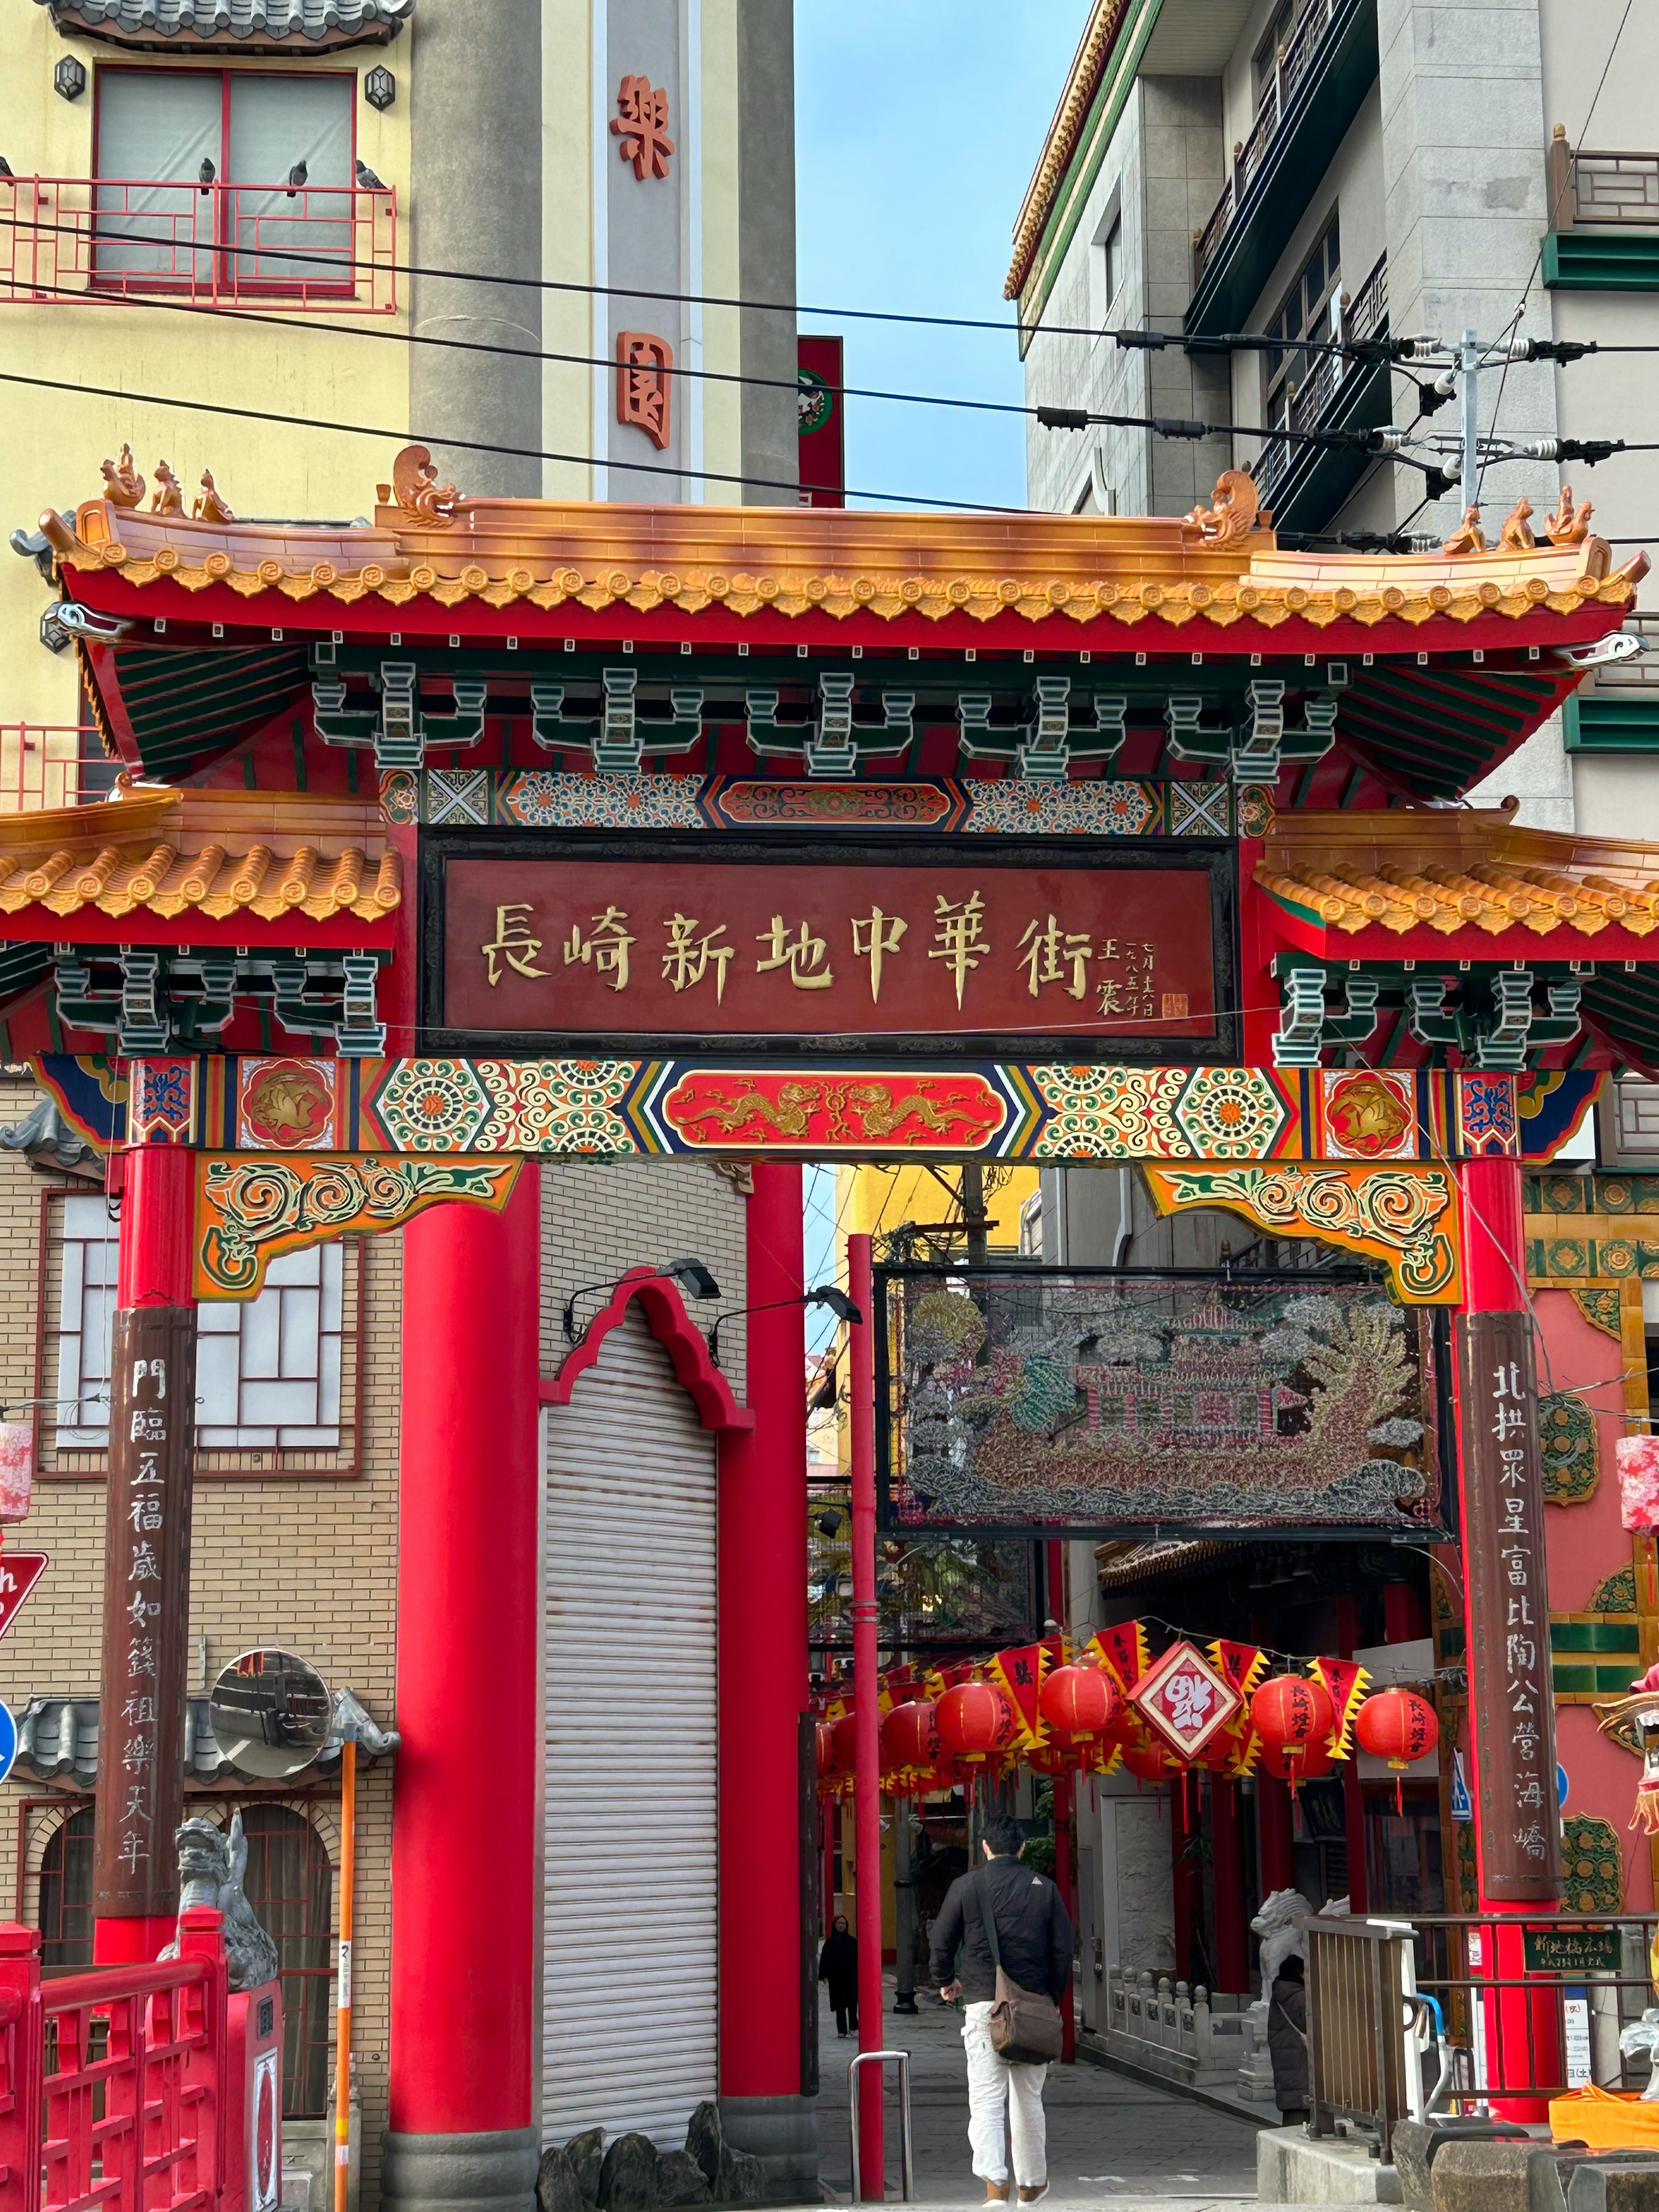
x,y
114,2093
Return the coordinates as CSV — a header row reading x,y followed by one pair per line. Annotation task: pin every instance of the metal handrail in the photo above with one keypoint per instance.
x,y
1292,64
905,2161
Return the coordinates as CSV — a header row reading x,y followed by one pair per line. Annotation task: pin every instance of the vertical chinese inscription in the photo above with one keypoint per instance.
x,y
640,127
644,367
141,1713
1509,1608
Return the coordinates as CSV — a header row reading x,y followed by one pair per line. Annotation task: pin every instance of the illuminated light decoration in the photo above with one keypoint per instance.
x,y
1399,1726
1080,1705
1184,1701
974,1719
1294,1718
910,1739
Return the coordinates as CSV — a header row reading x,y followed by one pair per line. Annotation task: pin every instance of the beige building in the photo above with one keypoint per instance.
x,y
153,242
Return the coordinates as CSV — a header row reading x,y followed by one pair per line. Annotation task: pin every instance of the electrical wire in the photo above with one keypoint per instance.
x,y
481,445
1225,341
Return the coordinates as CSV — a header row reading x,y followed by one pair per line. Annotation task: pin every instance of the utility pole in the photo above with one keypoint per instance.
x,y
973,1211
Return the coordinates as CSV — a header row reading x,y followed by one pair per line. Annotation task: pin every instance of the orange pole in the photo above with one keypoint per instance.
x,y
343,1990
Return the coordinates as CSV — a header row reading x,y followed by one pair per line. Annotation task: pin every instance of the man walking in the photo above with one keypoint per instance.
x,y
1034,1940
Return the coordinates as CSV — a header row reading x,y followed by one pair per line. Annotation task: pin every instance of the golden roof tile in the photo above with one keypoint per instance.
x,y
219,853
1213,567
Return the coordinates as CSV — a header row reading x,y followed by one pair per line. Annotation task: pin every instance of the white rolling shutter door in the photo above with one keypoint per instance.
x,y
630,1936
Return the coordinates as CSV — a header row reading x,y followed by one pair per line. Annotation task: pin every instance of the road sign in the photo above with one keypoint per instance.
x,y
8,1741
1560,1785
1461,1809
19,1573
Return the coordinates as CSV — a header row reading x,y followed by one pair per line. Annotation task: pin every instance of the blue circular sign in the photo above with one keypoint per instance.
x,y
8,1741
1561,1786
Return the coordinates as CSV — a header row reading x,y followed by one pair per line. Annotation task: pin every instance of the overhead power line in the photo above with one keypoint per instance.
x,y
1395,350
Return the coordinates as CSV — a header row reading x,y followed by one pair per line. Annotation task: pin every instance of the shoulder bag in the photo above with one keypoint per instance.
x,y
1025,2028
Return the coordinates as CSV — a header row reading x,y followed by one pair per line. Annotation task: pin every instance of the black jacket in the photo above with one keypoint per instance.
x,y
1033,1933
838,1964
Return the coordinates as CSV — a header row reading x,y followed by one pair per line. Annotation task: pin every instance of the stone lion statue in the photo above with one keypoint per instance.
x,y
1282,1938
211,1864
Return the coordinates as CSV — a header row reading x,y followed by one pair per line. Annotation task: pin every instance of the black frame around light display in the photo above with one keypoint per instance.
x,y
903,1511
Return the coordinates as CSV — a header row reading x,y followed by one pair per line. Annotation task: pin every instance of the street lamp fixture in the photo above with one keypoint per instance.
x,y
825,1294
693,1277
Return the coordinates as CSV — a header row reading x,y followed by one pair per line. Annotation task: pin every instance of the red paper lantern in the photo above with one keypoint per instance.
x,y
1079,1703
909,1737
1399,1726
826,1734
974,1720
1297,1763
1147,1762
844,1745
1291,1712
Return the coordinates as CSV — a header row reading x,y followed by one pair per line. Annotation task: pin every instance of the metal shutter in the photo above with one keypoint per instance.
x,y
628,1980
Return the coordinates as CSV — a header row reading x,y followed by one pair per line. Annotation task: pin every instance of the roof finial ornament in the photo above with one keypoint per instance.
x,y
211,507
1516,536
1235,512
1468,537
123,485
168,497
1569,524
421,498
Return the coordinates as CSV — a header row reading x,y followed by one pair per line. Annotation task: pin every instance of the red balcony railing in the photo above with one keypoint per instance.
x,y
69,239
46,764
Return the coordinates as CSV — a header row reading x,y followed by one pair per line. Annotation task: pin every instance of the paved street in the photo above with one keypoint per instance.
x,y
1110,2141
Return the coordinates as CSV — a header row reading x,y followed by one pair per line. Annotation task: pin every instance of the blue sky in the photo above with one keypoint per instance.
x,y
918,125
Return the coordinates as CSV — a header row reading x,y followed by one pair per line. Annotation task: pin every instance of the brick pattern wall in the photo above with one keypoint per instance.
x,y
599,1221
308,1564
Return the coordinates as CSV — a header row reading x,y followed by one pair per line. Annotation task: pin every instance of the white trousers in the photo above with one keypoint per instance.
x,y
1001,2095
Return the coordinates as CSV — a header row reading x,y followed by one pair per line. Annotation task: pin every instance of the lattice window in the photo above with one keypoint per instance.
x,y
64,1893
276,1377
289,1885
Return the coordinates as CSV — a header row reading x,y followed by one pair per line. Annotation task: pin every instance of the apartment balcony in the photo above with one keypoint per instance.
x,y
52,764
90,240
1617,711
1603,232
1305,486
1321,79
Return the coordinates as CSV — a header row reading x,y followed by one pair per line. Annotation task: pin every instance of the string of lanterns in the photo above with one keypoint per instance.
x,y
1057,1711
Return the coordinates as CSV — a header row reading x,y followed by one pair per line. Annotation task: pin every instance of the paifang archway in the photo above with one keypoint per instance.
x,y
520,832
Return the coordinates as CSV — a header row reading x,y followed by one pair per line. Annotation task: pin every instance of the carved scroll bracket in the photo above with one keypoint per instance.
x,y
1404,1216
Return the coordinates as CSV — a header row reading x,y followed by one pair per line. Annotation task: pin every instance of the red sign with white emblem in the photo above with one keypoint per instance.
x,y
1184,1699
19,1573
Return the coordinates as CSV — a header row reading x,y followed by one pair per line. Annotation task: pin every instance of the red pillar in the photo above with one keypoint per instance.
x,y
463,1872
762,1693
1274,1846
1064,1799
140,1767
1353,1801
866,1788
1522,2041
1232,1938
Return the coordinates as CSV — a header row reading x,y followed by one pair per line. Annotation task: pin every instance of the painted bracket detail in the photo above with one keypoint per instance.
x,y
1406,1216
251,1212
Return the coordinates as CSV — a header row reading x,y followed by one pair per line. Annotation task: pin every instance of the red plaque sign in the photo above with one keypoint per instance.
x,y
1085,959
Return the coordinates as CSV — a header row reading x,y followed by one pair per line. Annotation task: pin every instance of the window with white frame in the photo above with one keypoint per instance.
x,y
1107,273
267,1370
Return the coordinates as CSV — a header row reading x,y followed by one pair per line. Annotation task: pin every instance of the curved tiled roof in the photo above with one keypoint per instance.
x,y
316,23
793,562
213,853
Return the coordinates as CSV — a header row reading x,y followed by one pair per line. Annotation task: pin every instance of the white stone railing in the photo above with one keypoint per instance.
x,y
1190,2035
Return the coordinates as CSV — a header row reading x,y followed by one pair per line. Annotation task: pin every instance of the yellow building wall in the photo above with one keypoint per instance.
x,y
872,1200
334,368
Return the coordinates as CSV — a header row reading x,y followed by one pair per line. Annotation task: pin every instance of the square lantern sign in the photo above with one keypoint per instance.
x,y
1184,1700
969,948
